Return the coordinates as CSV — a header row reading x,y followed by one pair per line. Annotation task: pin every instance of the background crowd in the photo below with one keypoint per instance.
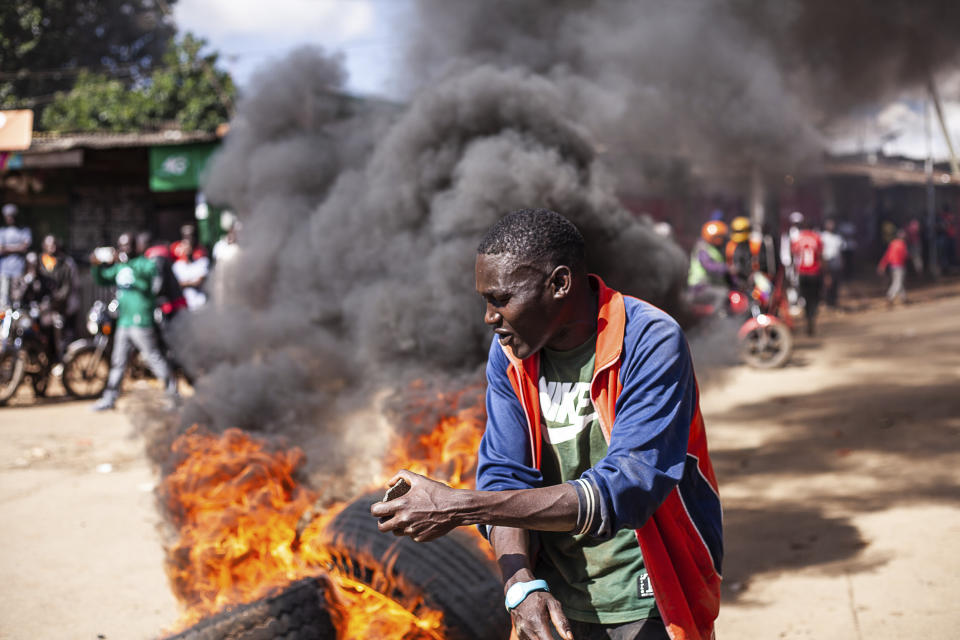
x,y
808,263
150,282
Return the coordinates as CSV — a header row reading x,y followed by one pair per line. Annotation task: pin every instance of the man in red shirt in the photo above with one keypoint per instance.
x,y
896,258
188,234
807,253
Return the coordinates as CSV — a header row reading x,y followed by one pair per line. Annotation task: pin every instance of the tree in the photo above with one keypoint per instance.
x,y
45,45
189,89
186,90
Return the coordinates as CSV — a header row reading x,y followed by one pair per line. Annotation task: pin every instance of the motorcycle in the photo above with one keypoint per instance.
x,y
86,363
26,349
765,338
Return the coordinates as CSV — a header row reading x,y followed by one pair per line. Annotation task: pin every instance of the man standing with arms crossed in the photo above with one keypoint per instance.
x,y
594,482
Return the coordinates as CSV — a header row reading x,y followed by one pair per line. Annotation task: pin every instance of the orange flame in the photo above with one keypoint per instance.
x,y
246,526
449,451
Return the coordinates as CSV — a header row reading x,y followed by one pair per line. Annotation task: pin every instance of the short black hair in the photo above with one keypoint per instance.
x,y
535,235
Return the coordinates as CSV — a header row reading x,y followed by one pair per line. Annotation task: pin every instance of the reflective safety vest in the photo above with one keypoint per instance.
x,y
698,274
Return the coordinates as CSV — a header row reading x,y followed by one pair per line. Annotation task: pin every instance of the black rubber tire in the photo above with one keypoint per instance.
x,y
11,373
80,358
299,612
449,574
776,334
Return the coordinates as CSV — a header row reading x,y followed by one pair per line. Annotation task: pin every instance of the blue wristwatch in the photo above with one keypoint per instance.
x,y
519,591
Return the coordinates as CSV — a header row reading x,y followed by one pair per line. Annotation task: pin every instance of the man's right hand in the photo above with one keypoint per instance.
x,y
533,618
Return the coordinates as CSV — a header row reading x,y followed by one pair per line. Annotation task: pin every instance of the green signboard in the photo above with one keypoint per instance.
x,y
180,167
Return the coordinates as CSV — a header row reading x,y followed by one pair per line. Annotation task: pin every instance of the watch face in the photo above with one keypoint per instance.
x,y
512,595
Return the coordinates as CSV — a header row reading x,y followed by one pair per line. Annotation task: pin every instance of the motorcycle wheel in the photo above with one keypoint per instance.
x,y
11,373
767,347
85,372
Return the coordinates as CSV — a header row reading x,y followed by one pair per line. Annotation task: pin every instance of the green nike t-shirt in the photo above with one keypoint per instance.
x,y
601,581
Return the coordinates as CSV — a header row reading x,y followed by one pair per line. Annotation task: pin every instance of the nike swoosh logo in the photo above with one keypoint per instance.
x,y
556,435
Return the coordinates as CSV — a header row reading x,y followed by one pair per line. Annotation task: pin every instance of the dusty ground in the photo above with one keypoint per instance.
x,y
80,551
840,476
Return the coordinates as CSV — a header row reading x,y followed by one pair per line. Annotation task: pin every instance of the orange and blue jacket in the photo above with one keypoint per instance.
x,y
656,477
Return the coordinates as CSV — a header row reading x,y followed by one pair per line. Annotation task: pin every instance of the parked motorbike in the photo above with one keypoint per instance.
x,y
86,363
26,350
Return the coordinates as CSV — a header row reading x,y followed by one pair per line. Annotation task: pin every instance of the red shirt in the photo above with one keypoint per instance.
x,y
177,250
158,251
807,250
896,255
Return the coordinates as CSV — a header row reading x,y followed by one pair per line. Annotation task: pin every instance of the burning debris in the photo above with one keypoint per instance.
x,y
247,527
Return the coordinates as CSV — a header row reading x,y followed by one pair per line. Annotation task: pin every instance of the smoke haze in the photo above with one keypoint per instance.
x,y
716,81
361,219
360,226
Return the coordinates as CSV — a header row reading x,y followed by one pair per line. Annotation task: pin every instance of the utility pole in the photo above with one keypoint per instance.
x,y
934,264
954,165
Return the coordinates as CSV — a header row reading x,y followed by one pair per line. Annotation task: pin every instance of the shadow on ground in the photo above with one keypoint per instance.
x,y
765,540
821,431
838,430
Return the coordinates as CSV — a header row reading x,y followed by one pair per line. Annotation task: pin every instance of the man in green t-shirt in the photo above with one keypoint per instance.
x,y
132,275
590,576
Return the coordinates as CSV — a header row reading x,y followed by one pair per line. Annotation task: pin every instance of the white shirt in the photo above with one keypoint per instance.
x,y
189,271
832,245
223,250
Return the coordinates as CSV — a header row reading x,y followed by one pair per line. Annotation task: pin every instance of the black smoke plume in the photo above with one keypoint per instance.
x,y
361,218
360,227
719,82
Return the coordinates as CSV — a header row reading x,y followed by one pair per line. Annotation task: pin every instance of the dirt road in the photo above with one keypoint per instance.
x,y
80,553
840,476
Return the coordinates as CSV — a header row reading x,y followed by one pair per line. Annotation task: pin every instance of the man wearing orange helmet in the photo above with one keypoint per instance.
x,y
708,278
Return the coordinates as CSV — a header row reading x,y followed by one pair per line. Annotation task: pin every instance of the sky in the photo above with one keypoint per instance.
x,y
906,126
369,34
250,33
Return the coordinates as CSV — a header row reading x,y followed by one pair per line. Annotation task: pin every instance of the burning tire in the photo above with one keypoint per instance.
x,y
298,612
450,574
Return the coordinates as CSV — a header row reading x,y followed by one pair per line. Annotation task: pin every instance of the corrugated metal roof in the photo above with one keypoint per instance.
x,y
45,142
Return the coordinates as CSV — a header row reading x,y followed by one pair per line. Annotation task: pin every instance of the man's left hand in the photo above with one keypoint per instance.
x,y
426,512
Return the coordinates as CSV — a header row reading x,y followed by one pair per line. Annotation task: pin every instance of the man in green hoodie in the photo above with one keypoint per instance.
x,y
132,275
